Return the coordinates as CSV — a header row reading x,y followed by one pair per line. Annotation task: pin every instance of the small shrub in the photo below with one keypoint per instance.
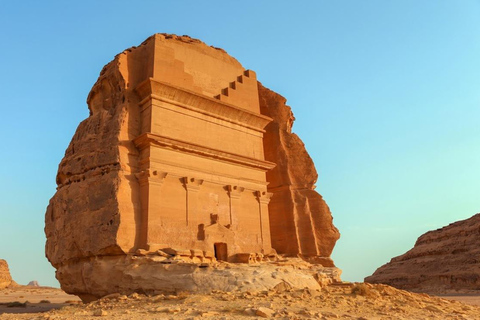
x,y
16,304
73,302
45,301
361,289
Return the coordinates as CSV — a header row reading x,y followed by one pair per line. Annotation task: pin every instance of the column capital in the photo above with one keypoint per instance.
x,y
151,176
235,192
263,196
192,184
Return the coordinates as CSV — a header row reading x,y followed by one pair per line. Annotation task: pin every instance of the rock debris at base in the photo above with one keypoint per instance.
x,y
346,301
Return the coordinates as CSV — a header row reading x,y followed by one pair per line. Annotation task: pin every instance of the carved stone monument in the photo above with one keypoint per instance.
x,y
179,160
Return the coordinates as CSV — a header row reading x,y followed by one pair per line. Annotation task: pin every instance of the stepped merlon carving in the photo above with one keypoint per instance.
x,y
242,92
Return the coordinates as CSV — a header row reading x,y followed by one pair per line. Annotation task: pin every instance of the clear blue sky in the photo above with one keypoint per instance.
x,y
386,96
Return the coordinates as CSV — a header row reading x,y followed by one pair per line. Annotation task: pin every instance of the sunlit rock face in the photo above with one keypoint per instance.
x,y
5,277
445,260
185,157
300,220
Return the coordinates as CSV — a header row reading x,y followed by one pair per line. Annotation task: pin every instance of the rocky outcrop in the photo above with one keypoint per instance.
x,y
144,273
5,278
175,162
301,216
445,260
33,283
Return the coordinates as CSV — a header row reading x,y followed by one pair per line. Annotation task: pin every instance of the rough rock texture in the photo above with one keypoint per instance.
x,y
5,278
176,160
33,283
347,301
296,208
446,260
145,272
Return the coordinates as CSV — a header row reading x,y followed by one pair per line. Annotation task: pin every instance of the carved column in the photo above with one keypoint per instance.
x,y
234,193
263,198
150,184
192,185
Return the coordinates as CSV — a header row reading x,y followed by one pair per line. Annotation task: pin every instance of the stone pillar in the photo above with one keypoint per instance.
x,y
192,185
263,198
150,182
234,193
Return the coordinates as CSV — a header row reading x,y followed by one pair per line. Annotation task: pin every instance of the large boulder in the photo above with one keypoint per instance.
x,y
184,157
5,277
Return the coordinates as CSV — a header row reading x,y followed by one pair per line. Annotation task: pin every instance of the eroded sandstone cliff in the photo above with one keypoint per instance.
x,y
301,218
170,168
5,277
445,260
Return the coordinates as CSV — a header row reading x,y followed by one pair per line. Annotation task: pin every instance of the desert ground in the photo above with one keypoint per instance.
x,y
24,302
344,301
472,299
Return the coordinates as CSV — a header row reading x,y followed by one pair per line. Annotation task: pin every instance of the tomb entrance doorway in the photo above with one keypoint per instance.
x,y
221,253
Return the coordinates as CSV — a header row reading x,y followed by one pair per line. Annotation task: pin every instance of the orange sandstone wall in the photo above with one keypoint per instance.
x,y
5,278
97,209
300,220
442,261
136,176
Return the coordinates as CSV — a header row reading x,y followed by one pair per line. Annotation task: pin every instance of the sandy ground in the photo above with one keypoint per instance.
x,y
468,299
23,299
348,301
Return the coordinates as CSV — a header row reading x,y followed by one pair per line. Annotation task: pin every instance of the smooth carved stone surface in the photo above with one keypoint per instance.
x,y
5,278
182,152
446,260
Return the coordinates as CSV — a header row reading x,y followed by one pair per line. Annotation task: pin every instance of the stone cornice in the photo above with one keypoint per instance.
x,y
149,139
157,90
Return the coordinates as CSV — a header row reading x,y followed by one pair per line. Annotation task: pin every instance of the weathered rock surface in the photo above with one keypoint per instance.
x,y
144,273
176,160
446,260
33,283
5,277
297,211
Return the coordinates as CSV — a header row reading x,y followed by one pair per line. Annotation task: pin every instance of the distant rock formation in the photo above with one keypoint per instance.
x,y
446,260
5,277
185,157
33,283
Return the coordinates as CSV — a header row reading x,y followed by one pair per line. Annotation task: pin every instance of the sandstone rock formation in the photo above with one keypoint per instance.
x,y
33,283
5,278
446,260
297,211
152,274
178,161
